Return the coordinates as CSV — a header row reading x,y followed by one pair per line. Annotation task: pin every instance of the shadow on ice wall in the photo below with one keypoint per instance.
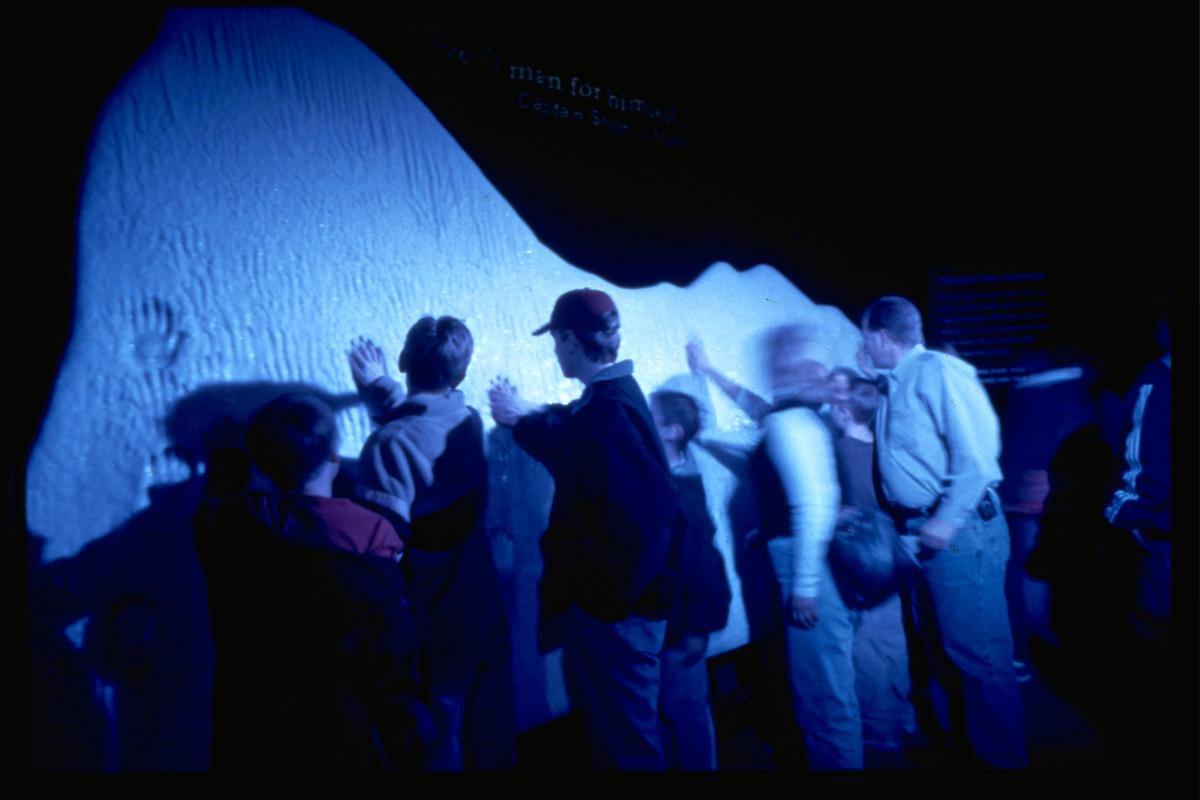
x,y
262,189
120,651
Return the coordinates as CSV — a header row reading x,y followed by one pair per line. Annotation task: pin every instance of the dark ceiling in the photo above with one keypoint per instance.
x,y
875,142
868,141
852,149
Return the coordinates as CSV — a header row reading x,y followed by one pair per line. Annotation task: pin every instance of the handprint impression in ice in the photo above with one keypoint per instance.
x,y
157,340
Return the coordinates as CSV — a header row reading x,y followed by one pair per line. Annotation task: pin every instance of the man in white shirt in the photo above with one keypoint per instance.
x,y
938,444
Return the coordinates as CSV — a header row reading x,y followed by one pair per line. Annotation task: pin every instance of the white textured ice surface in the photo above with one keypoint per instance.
x,y
261,189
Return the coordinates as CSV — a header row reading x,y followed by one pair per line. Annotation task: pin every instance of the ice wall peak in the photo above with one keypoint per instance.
x,y
261,189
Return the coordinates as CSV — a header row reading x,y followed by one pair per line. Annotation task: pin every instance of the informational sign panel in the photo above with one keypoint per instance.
x,y
993,320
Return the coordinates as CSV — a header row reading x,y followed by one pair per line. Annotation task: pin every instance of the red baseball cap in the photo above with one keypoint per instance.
x,y
580,310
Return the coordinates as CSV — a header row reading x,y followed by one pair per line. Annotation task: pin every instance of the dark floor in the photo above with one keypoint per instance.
x,y
1058,732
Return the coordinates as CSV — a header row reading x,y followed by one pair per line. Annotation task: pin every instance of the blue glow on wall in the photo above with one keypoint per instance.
x,y
262,188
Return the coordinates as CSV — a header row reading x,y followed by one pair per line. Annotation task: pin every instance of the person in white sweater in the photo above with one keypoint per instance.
x,y
799,496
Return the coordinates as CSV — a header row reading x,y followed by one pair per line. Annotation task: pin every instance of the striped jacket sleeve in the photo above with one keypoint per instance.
x,y
1143,500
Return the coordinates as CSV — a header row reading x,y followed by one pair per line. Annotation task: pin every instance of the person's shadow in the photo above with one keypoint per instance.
x,y
121,655
1085,563
67,727
519,496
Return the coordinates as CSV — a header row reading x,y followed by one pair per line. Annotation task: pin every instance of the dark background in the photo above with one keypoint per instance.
x,y
852,149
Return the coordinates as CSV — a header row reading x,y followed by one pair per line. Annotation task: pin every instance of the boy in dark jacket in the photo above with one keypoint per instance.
x,y
689,738
611,550
316,650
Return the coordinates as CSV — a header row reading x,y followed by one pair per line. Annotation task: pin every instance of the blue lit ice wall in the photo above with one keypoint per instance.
x,y
261,189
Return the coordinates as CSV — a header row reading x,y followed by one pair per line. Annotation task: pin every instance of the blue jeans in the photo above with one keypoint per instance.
x,y
614,671
468,656
688,736
881,675
1023,530
821,666
959,612
476,723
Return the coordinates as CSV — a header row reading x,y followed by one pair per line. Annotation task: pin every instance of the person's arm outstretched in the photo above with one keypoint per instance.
x,y
379,391
755,407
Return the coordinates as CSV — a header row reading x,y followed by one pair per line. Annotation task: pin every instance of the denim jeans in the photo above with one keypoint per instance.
x,y
468,656
614,672
687,732
1028,598
881,675
959,612
821,666
476,723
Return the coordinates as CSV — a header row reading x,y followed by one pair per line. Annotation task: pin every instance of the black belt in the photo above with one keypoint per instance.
x,y
987,508
903,515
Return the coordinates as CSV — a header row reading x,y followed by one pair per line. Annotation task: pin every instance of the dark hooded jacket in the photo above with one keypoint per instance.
x,y
316,657
703,600
616,528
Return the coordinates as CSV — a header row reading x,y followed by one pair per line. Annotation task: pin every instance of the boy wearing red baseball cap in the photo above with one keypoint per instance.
x,y
611,549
